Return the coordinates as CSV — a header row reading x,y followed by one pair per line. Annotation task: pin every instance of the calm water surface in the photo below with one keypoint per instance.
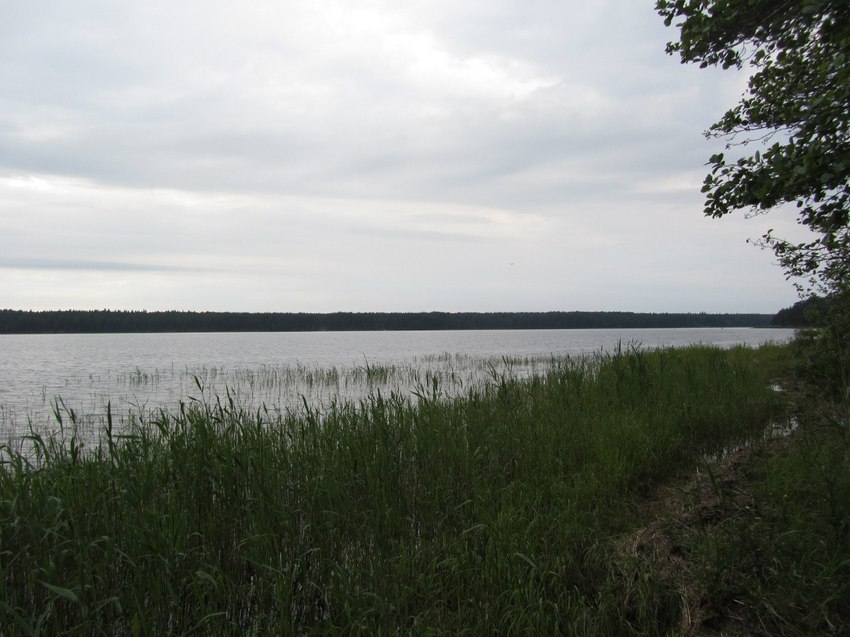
x,y
148,371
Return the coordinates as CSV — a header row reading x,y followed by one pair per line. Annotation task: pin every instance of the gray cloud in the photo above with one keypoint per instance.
x,y
98,266
319,155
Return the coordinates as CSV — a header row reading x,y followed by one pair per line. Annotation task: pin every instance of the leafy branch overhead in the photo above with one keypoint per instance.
x,y
796,110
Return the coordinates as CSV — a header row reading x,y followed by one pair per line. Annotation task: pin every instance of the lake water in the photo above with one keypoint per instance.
x,y
281,370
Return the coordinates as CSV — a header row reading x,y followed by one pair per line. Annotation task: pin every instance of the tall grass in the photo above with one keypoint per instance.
x,y
483,513
277,386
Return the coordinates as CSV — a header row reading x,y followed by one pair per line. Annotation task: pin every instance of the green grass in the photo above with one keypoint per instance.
x,y
493,512
777,558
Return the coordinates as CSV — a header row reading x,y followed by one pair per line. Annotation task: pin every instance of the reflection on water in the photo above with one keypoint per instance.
x,y
144,372
276,388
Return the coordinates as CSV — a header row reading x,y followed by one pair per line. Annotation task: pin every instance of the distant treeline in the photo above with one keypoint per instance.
x,y
77,321
806,313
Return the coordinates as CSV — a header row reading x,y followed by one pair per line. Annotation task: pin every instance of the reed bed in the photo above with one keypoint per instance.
x,y
484,511
276,387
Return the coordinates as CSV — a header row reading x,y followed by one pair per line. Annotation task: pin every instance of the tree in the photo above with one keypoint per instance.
x,y
795,112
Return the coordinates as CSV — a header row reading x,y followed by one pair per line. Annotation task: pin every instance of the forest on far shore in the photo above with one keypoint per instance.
x,y
118,321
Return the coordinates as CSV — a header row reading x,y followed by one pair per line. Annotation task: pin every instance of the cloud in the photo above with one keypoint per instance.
x,y
326,154
72,264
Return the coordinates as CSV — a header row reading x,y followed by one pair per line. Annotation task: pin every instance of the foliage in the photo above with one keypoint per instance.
x,y
804,313
796,109
823,354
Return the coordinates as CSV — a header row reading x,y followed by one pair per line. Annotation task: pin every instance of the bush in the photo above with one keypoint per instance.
x,y
824,353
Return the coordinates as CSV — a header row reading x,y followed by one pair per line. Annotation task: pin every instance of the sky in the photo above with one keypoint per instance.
x,y
365,155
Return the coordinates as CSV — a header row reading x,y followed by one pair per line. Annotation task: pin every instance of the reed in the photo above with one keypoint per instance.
x,y
277,386
474,511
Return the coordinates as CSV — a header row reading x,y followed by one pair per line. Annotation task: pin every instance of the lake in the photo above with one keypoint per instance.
x,y
282,370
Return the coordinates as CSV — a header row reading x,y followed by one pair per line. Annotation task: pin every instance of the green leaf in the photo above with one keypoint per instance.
x,y
63,592
796,106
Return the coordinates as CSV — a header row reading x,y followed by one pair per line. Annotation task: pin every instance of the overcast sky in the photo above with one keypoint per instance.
x,y
385,155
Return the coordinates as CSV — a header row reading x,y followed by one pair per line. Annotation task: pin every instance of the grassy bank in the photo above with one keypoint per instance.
x,y
496,512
